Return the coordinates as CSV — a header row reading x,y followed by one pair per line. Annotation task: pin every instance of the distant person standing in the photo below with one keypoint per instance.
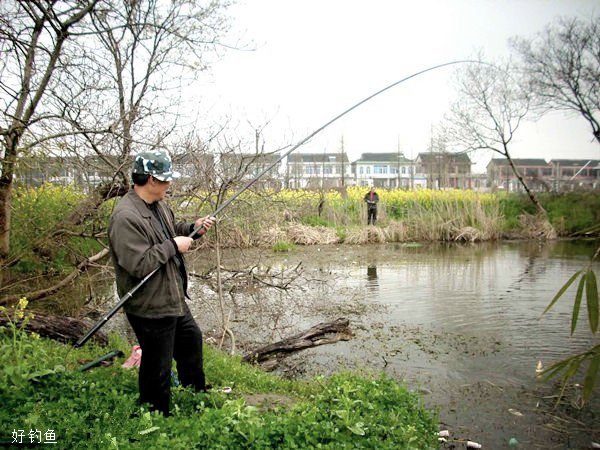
x,y
372,199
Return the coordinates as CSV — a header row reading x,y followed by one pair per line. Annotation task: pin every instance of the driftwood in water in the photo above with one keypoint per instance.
x,y
59,328
323,333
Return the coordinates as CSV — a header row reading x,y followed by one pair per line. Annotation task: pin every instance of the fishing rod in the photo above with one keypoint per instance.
x,y
248,185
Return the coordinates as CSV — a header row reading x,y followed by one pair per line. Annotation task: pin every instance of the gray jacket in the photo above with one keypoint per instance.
x,y
138,246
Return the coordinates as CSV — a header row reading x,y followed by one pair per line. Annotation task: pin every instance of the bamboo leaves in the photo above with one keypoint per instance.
x,y
577,304
562,291
569,367
592,299
589,285
592,373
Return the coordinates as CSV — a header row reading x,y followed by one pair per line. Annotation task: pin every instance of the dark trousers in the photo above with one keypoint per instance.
x,y
371,216
163,340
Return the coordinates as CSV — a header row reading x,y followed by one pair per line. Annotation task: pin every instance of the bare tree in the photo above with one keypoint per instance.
x,y
33,36
114,90
142,55
562,66
489,111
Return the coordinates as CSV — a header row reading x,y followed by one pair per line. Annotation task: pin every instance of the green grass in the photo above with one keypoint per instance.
x,y
41,389
316,221
572,212
283,247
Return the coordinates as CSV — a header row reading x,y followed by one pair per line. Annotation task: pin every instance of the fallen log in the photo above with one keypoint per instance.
x,y
59,328
323,333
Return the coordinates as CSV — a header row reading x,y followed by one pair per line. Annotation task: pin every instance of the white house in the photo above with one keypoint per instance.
x,y
389,170
318,171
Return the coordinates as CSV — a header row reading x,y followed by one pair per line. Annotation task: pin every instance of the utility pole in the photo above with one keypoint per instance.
x,y
323,169
342,156
398,165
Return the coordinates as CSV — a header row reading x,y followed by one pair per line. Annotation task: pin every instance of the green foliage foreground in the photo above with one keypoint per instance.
x,y
42,390
569,367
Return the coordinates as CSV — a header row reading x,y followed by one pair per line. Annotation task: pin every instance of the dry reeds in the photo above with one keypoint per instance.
x,y
396,232
306,235
368,235
455,221
270,236
536,227
468,234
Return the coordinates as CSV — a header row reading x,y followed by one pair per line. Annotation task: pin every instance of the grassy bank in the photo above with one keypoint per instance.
x,y
42,390
311,217
44,239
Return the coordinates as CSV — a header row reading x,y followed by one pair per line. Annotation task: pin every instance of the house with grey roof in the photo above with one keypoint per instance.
x,y
571,174
536,172
317,171
388,170
443,170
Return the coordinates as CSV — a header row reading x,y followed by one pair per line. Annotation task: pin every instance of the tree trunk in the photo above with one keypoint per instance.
x,y
7,169
62,329
538,206
323,333
101,194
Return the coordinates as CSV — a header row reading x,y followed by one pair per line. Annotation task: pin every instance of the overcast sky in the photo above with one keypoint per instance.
x,y
312,59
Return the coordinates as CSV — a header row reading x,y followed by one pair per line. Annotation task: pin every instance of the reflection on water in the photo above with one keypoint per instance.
x,y
372,284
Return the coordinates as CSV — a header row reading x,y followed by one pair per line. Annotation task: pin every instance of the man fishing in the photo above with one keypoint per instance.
x,y
144,236
371,198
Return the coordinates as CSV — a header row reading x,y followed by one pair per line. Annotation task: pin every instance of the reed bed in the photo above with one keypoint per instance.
x,y
311,217
307,235
368,235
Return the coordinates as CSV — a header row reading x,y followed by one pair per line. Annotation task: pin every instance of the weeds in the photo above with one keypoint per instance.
x,y
283,247
98,408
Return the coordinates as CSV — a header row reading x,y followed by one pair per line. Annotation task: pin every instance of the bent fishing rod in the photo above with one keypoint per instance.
x,y
106,317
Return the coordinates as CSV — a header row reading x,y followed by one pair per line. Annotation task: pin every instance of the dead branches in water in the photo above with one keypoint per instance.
x,y
323,333
42,293
253,277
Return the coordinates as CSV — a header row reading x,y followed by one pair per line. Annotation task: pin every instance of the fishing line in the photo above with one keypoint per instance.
x,y
226,203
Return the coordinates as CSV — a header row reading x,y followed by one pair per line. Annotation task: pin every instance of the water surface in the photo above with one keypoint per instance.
x,y
462,324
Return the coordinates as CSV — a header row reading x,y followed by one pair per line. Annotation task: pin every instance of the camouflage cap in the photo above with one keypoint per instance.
x,y
156,163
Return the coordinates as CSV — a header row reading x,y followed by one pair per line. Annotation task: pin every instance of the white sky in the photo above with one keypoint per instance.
x,y
312,59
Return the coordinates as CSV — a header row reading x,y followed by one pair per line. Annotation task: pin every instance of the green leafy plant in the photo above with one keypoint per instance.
x,y
568,367
98,408
282,246
21,352
315,221
16,347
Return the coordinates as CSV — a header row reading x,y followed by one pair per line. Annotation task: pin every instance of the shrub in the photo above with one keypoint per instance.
x,y
37,213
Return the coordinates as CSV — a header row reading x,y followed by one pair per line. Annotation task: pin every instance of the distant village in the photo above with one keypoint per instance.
x,y
429,170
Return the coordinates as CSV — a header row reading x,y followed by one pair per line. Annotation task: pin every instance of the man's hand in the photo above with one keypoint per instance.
x,y
183,243
204,223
